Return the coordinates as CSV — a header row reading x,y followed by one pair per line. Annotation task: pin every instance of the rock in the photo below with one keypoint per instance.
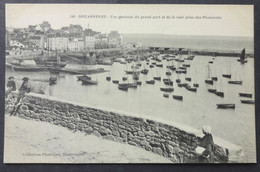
x,y
71,126
169,148
109,137
148,148
115,133
149,133
132,143
119,139
63,124
80,126
49,119
140,133
158,151
56,122
96,133
88,130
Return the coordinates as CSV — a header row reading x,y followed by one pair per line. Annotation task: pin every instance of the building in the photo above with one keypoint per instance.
x,y
89,39
32,27
76,44
57,43
38,41
15,43
114,38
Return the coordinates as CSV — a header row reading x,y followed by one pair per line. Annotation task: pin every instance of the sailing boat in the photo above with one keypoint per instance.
x,y
220,93
238,82
208,80
228,75
190,56
196,85
242,59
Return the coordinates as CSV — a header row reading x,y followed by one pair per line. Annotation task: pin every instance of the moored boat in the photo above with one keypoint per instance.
x,y
123,87
226,75
115,81
235,82
247,101
176,97
226,106
157,78
214,78
245,95
150,82
219,93
87,81
196,85
108,78
209,81
167,89
166,95
188,79
211,90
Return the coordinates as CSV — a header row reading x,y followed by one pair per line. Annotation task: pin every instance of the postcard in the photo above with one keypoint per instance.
x,y
129,83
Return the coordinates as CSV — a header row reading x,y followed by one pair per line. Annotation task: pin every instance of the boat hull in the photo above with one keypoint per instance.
x,y
226,106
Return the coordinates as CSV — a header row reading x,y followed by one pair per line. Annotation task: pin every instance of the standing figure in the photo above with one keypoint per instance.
x,y
11,86
207,143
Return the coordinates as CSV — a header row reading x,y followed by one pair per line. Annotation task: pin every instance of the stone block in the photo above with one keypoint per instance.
x,y
64,124
132,143
157,150
140,133
49,119
109,137
96,133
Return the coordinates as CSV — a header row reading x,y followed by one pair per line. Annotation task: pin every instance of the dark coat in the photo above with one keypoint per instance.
x,y
12,85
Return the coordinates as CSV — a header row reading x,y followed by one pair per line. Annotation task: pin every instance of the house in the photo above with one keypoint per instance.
x,y
57,43
16,43
76,44
37,40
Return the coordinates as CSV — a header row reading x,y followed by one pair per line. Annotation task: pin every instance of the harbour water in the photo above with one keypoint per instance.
x,y
196,109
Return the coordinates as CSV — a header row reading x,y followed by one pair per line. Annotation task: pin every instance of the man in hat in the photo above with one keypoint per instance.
x,y
25,88
11,86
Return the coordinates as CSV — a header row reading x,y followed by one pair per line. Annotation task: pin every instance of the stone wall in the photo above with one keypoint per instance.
x,y
173,141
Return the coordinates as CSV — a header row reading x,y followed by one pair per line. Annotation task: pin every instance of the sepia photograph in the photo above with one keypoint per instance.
x,y
129,83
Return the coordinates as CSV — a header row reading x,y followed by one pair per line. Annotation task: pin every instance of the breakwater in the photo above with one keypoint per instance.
x,y
171,140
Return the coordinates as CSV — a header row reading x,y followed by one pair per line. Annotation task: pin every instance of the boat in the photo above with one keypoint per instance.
x,y
226,106
178,71
190,88
208,80
168,73
166,95
108,78
176,97
150,82
187,78
186,65
211,90
172,68
184,71
211,62
214,78
178,80
87,81
123,87
190,56
167,89
242,59
158,78
54,70
159,65
82,77
124,78
129,85
129,72
123,62
144,71
50,60
169,82
182,84
247,101
219,93
115,81
183,68
235,82
226,75
139,83
196,85
245,95
151,66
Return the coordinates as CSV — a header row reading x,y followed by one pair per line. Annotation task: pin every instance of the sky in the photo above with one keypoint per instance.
x,y
228,20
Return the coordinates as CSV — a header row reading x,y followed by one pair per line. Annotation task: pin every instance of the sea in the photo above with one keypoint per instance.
x,y
196,110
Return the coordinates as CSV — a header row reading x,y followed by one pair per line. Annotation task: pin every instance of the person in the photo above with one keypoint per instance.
x,y
207,143
11,86
25,88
